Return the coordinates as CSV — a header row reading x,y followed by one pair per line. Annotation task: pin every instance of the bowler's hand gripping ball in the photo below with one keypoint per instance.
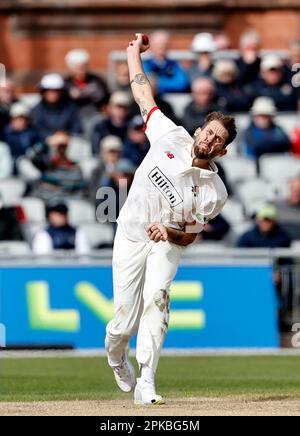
x,y
145,39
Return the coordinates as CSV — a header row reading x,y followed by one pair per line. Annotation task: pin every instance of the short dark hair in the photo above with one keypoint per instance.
x,y
227,122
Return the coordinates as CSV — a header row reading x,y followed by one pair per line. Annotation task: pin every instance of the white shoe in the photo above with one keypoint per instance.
x,y
145,394
125,374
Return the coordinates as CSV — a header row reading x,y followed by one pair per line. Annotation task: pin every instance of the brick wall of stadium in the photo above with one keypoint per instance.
x,y
36,34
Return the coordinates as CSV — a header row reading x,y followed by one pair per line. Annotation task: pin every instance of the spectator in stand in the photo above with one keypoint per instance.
x,y
59,235
292,65
10,227
111,149
170,74
223,42
116,123
163,105
249,62
122,79
216,230
20,135
56,111
7,99
264,135
136,145
289,209
89,91
203,103
120,180
267,233
63,178
6,161
274,84
231,97
203,46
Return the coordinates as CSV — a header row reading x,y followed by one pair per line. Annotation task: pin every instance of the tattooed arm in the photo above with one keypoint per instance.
x,y
140,85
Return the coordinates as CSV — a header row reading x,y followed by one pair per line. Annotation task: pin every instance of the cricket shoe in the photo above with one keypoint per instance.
x,y
145,394
125,374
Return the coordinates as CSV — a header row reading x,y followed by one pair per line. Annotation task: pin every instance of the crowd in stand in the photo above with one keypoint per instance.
x,y
34,141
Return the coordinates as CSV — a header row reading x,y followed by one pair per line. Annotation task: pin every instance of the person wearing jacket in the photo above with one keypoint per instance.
x,y
59,235
170,74
267,233
88,90
264,135
274,84
231,96
55,111
20,136
203,103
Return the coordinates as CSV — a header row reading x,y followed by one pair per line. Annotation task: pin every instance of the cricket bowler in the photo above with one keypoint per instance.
x,y
175,193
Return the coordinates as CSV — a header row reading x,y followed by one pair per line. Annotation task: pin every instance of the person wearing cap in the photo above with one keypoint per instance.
x,y
59,234
20,135
203,103
249,61
204,47
88,90
231,97
136,145
274,84
264,135
267,233
171,76
55,111
111,149
116,122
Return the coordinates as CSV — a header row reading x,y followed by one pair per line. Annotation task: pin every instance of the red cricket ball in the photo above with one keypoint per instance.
x,y
145,39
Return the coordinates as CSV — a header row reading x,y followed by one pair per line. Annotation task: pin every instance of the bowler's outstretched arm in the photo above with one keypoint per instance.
x,y
140,85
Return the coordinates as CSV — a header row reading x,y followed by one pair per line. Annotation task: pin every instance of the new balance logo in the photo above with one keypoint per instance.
x,y
165,187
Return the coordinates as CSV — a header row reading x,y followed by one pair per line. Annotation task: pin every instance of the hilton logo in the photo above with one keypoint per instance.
x,y
165,187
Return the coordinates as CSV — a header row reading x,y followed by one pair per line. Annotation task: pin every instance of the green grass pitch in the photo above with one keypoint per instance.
x,y
54,379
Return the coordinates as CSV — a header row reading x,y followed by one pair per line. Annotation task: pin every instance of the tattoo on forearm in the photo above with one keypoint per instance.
x,y
139,79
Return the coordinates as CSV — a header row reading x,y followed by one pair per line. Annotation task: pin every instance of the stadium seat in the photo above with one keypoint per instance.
x,y
253,193
30,229
233,212
98,234
81,212
178,102
237,230
296,246
14,248
288,121
278,169
88,166
238,169
205,248
30,100
11,191
34,209
79,149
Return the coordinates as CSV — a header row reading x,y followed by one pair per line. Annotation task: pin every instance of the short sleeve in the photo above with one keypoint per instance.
x,y
158,125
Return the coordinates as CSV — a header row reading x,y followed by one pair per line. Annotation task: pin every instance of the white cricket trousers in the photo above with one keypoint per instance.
x,y
142,274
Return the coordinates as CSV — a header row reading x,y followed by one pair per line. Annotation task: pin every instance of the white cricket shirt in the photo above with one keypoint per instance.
x,y
166,188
